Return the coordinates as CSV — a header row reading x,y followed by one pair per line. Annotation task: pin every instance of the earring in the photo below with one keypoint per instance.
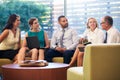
x,y
31,28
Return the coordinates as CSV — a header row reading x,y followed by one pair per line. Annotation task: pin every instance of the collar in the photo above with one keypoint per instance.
x,y
95,31
108,31
64,29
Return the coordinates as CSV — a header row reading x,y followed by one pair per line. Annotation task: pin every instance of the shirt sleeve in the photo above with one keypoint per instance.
x,y
75,40
118,40
100,39
116,37
53,40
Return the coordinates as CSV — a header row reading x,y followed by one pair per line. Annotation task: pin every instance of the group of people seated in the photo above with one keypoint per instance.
x,y
65,41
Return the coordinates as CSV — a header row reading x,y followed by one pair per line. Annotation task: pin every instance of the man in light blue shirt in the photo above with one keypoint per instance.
x,y
63,42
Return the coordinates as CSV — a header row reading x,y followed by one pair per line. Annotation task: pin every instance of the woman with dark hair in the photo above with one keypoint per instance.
x,y
10,38
35,30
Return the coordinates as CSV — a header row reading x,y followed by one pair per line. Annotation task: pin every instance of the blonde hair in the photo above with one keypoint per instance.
x,y
89,20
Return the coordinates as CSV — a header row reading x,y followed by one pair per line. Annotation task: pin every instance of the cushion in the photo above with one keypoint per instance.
x,y
75,73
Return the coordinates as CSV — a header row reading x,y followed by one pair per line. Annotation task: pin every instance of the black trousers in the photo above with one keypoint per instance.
x,y
10,54
53,53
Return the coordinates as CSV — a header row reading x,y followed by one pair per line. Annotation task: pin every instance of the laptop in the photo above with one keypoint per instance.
x,y
33,42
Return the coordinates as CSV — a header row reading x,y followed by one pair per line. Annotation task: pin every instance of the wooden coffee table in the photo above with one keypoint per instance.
x,y
54,71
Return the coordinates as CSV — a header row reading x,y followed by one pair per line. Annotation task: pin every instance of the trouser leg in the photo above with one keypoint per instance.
x,y
52,53
67,55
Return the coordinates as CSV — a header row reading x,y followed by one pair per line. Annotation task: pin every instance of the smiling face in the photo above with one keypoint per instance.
x,y
106,22
92,23
103,24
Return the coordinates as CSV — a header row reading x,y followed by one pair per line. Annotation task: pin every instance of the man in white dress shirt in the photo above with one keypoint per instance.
x,y
63,42
113,35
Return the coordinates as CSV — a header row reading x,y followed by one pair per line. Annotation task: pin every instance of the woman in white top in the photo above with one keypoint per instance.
x,y
10,38
93,35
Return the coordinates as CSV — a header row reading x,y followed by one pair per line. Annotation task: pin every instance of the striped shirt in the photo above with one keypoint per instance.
x,y
70,39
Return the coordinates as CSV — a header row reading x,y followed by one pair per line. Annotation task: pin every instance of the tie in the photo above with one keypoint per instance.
x,y
61,42
105,41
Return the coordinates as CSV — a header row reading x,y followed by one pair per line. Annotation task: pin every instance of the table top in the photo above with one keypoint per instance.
x,y
50,66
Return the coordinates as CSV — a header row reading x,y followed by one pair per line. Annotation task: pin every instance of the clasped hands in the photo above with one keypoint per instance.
x,y
60,49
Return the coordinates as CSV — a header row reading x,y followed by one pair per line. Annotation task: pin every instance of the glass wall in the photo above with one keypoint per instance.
x,y
78,11
58,9
42,9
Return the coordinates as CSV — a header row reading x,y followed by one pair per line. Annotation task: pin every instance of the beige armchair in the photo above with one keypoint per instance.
x,y
101,62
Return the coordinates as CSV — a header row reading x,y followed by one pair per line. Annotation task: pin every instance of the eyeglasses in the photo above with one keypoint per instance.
x,y
102,23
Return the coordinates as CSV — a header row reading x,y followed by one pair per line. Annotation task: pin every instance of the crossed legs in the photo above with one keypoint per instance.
x,y
78,56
